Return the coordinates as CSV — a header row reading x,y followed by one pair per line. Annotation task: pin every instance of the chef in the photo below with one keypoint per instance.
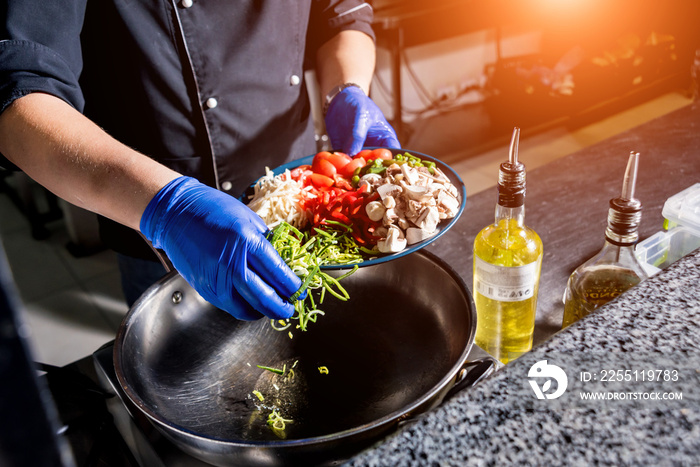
x,y
152,113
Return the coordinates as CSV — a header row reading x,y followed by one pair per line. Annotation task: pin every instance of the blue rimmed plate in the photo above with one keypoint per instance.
x,y
443,226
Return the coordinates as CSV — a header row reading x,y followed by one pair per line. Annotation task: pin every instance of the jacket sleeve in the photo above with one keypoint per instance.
x,y
40,51
329,17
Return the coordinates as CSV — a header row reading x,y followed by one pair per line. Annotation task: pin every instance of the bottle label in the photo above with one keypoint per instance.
x,y
505,284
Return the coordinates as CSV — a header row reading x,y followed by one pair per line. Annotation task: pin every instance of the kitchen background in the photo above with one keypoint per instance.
x,y
570,73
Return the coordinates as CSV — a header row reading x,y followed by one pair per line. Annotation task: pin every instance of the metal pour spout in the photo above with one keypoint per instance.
x,y
625,212
511,176
630,180
513,152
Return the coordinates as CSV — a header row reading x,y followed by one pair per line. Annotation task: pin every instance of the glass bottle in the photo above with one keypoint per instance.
x,y
615,268
507,265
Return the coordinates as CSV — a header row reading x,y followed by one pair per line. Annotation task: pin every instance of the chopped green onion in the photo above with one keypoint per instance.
x,y
277,423
339,224
274,370
276,328
305,253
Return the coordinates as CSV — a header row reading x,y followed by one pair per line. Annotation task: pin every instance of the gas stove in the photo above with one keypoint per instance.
x,y
147,446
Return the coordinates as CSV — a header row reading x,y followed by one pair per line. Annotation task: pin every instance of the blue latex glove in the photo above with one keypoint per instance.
x,y
353,120
218,245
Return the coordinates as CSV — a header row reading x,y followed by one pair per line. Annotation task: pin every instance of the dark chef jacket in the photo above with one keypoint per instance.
x,y
212,88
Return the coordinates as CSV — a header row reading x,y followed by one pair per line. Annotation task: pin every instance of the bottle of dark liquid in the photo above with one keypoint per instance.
x,y
615,268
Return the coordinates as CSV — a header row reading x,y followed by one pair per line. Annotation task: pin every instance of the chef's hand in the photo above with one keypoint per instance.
x,y
353,120
218,245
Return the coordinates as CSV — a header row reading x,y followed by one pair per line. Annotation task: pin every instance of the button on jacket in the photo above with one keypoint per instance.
x,y
211,88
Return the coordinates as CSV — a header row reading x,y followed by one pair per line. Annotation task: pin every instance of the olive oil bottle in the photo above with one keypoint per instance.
x,y
507,265
615,268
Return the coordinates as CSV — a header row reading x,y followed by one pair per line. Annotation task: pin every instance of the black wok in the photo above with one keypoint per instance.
x,y
393,351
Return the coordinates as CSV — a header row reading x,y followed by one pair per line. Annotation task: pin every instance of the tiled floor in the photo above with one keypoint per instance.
x,y
74,305
71,305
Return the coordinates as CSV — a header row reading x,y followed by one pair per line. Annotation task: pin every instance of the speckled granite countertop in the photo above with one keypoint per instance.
x,y
655,325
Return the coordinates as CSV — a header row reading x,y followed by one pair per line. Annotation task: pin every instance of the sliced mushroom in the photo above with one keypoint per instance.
x,y
417,192
410,174
439,175
393,242
375,210
448,203
381,231
388,189
413,210
389,202
392,171
371,180
390,216
415,235
428,219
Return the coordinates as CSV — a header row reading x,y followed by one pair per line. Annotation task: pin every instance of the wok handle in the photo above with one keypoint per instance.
x,y
472,373
162,257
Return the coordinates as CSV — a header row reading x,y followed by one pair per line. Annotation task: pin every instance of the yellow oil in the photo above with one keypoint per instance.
x,y
505,328
595,287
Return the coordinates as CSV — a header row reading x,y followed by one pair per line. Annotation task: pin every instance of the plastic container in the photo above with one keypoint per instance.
x,y
684,209
664,248
682,214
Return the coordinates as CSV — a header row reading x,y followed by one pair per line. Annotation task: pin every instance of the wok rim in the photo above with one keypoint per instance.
x,y
378,424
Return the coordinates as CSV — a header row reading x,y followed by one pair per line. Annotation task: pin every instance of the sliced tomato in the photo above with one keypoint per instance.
x,y
339,159
323,167
322,155
381,153
365,153
349,169
298,173
320,180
